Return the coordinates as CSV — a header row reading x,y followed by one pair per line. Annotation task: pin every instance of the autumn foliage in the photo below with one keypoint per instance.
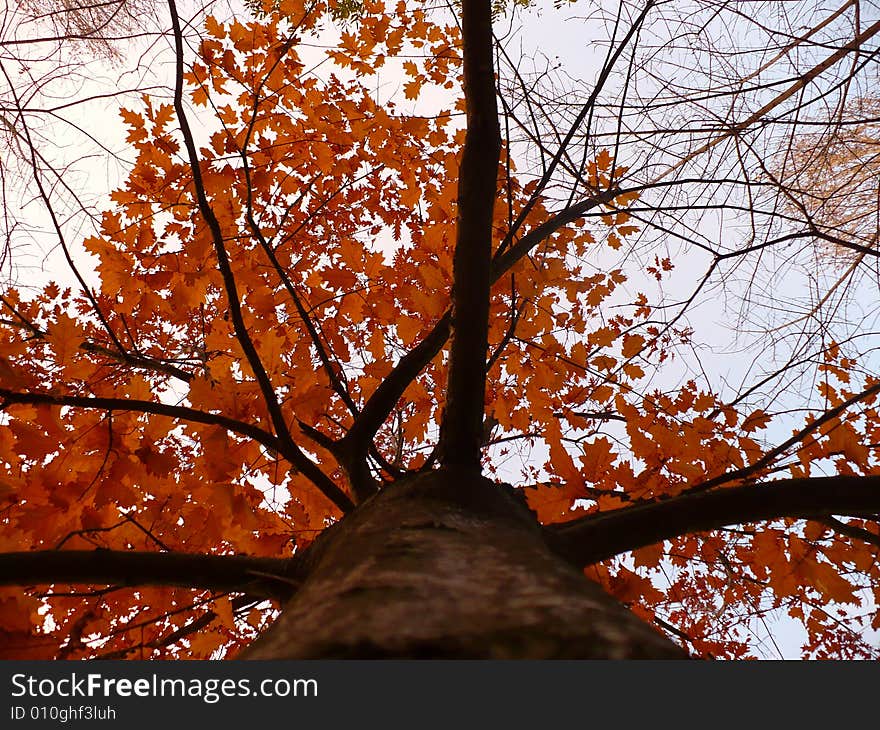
x,y
262,275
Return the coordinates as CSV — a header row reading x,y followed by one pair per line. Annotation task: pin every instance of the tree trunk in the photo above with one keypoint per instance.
x,y
450,566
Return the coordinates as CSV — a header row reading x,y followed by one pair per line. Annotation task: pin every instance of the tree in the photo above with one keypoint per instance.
x,y
325,323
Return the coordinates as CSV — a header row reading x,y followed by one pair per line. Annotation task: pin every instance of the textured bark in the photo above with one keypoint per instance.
x,y
448,565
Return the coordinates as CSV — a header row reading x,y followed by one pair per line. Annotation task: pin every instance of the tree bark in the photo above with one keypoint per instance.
x,y
447,565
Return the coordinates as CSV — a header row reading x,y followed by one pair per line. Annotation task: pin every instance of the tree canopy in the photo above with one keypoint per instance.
x,y
357,241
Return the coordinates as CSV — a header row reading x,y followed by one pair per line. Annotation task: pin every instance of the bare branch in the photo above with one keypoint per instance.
x,y
265,577
597,537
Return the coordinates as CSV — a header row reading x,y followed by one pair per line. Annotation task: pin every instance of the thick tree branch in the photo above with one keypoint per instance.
x,y
462,426
138,361
353,448
597,537
380,404
517,251
264,577
223,262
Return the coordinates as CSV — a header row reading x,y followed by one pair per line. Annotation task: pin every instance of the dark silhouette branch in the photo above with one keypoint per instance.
x,y
56,223
799,84
125,357
263,577
223,262
197,624
462,425
296,456
853,531
515,316
335,381
182,413
353,448
597,537
537,235
179,412
586,110
138,361
589,492
777,451
592,415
